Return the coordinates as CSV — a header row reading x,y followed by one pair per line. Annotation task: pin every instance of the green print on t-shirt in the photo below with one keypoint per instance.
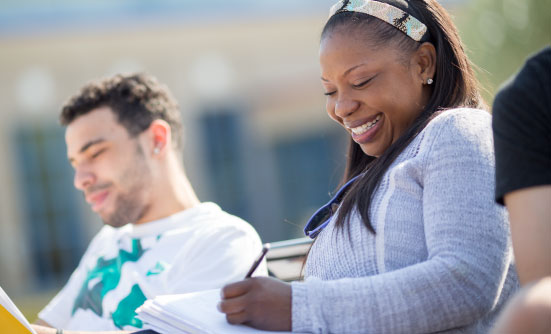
x,y
107,273
159,268
126,311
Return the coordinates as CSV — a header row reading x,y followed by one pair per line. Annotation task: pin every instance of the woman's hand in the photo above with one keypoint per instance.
x,y
259,302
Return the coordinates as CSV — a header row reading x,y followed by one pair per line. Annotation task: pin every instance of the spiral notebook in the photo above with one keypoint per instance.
x,y
11,319
190,313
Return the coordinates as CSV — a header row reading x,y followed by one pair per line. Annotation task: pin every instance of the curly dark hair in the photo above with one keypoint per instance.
x,y
136,100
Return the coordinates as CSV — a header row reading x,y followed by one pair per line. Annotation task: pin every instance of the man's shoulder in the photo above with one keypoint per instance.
x,y
209,218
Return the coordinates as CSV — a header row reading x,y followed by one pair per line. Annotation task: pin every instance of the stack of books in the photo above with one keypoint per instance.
x,y
190,313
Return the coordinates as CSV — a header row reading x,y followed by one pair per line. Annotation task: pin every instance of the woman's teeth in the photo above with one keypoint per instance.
x,y
365,127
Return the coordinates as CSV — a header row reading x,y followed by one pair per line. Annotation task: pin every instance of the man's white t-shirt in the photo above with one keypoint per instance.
x,y
196,249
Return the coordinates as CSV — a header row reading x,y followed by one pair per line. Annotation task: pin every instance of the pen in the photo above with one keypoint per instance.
x,y
265,249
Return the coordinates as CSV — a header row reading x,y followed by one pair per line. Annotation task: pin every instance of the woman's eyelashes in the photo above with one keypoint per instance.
x,y
356,86
363,83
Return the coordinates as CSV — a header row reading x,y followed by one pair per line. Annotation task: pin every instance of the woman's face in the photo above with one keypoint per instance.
x,y
373,92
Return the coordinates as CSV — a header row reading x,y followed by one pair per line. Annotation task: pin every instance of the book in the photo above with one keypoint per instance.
x,y
190,313
12,320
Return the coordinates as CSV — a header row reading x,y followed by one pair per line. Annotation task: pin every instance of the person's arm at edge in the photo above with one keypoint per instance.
x,y
528,312
41,322
530,219
39,329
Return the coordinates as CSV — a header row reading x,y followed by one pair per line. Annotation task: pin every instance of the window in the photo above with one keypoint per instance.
x,y
308,169
49,202
274,186
223,137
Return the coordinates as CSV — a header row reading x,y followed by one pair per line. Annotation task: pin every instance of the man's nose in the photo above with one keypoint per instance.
x,y
83,178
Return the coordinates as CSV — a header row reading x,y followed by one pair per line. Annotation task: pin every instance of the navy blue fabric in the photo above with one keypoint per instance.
x,y
321,218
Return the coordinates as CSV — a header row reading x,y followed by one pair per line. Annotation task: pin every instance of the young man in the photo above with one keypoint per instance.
x,y
124,142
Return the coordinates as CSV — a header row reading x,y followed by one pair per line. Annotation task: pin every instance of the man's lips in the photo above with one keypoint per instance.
x,y
97,199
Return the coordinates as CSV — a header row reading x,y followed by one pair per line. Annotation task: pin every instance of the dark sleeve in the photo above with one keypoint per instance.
x,y
522,128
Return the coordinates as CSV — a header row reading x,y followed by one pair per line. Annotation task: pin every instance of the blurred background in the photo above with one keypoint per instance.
x,y
258,140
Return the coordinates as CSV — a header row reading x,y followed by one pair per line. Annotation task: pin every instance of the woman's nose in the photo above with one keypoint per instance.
x,y
345,106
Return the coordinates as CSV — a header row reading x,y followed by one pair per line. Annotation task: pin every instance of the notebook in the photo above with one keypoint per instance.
x,y
190,313
11,318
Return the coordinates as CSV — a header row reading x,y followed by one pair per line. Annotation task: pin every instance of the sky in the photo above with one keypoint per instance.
x,y
29,17
38,16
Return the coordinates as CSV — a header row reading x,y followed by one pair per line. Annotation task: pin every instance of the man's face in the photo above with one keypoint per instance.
x,y
110,167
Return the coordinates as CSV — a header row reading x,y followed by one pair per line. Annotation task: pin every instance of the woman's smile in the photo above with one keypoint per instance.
x,y
366,132
374,111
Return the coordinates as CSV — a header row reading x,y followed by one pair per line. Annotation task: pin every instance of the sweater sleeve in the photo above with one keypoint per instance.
x,y
467,241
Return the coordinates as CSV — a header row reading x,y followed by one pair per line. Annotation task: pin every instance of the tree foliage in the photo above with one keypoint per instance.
x,y
500,34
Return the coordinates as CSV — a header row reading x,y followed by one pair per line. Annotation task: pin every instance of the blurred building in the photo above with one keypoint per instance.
x,y
258,140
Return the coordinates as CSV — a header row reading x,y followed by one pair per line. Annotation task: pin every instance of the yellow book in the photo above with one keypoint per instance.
x,y
11,319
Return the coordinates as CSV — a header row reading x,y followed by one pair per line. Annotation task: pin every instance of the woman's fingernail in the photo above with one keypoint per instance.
x,y
219,307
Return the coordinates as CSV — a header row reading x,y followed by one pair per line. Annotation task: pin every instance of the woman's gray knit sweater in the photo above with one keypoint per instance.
x,y
441,258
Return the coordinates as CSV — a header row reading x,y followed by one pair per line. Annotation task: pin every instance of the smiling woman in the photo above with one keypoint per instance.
x,y
374,93
400,248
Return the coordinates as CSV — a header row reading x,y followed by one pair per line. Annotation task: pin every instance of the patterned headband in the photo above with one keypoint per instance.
x,y
394,16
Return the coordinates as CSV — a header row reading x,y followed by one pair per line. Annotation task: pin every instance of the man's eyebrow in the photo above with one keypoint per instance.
x,y
91,143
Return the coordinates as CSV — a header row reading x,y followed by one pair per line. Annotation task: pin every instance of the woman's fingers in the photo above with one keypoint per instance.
x,y
233,305
235,289
237,318
259,302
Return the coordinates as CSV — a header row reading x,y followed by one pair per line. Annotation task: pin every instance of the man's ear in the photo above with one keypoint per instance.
x,y
159,137
425,61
